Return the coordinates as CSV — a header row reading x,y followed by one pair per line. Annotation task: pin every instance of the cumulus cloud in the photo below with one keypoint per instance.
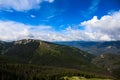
x,y
104,29
21,5
12,31
107,28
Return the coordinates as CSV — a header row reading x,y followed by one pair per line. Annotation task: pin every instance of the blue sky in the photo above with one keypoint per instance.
x,y
60,20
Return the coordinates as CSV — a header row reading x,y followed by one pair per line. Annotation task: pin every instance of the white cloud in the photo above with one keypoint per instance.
x,y
50,1
21,5
12,31
106,28
32,16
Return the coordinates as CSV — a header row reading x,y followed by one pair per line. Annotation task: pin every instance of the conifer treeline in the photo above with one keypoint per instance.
x,y
32,72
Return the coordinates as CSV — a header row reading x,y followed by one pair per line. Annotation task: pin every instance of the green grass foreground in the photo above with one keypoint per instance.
x,y
82,78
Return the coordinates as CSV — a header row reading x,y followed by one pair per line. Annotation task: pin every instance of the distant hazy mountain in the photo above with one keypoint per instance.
x,y
95,47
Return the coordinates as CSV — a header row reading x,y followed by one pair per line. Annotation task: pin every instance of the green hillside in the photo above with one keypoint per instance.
x,y
111,62
45,53
30,55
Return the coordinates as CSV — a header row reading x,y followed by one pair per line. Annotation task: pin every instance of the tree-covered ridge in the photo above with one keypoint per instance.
x,y
45,53
111,62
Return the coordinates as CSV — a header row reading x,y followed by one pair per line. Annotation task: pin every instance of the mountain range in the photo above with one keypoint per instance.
x,y
30,59
95,47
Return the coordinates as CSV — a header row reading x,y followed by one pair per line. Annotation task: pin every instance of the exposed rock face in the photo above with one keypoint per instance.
x,y
24,41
